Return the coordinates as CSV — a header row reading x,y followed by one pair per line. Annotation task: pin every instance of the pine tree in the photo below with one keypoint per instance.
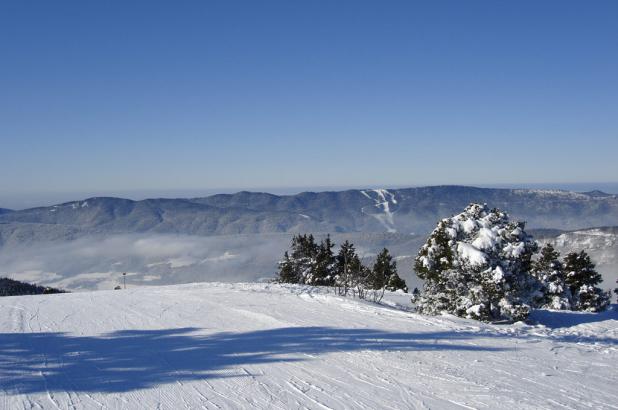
x,y
395,283
323,273
304,256
385,270
287,271
582,278
380,274
299,265
477,265
348,265
555,294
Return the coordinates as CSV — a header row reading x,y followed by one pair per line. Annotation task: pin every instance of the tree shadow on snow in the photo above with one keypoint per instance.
x,y
564,318
136,359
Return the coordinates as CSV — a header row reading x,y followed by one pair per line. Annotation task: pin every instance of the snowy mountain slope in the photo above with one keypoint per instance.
x,y
383,209
268,346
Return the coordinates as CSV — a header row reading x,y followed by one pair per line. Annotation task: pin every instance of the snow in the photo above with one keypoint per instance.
x,y
486,239
498,274
469,225
471,253
514,251
272,346
556,193
383,201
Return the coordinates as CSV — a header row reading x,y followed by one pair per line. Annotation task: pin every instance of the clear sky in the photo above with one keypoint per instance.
x,y
101,96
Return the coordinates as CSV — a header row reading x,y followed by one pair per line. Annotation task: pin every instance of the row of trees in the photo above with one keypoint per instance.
x,y
10,287
570,284
312,263
481,265
478,264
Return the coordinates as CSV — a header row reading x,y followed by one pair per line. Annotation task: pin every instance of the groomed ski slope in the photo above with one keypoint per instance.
x,y
285,347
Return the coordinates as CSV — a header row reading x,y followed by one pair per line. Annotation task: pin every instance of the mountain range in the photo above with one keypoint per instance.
x,y
409,210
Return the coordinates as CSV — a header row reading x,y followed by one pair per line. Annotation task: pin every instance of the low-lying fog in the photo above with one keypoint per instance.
x,y
98,262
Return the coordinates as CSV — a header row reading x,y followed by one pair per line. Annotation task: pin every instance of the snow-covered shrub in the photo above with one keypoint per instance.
x,y
477,265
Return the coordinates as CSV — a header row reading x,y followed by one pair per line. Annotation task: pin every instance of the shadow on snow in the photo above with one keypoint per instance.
x,y
134,359
564,318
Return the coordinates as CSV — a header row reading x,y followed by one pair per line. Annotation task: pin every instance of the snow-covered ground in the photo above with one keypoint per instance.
x,y
270,346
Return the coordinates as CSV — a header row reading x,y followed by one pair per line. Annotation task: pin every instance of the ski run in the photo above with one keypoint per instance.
x,y
230,346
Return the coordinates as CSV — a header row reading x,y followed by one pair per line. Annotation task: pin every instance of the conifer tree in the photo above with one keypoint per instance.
x,y
395,283
304,254
477,265
582,278
287,271
555,294
348,265
324,269
297,266
381,272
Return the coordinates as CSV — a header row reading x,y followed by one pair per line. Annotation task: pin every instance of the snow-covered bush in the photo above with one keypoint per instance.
x,y
477,265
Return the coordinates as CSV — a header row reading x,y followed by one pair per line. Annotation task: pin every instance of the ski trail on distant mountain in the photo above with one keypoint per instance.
x,y
383,201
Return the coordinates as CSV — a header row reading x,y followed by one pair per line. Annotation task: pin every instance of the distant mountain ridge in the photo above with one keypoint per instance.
x,y
371,210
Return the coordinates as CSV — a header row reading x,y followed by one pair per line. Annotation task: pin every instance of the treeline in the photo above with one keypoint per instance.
x,y
311,263
10,287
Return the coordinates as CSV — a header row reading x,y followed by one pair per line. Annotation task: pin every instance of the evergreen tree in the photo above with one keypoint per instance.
x,y
304,255
582,278
383,268
477,265
287,270
384,274
348,265
323,272
395,283
297,266
555,294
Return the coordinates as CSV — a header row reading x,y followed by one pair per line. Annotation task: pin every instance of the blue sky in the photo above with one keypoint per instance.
x,y
116,96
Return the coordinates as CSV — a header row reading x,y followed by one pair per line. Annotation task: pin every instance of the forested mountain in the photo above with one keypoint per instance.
x,y
380,210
